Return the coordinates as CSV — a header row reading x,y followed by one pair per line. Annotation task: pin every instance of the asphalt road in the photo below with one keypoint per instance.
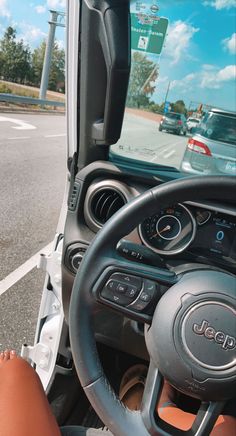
x,y
32,180
142,140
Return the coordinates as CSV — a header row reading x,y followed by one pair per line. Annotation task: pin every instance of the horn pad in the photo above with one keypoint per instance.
x,y
192,339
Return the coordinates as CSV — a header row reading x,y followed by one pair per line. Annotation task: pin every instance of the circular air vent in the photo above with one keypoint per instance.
x,y
103,200
104,203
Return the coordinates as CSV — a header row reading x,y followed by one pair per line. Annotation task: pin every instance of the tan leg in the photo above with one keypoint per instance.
x,y
24,408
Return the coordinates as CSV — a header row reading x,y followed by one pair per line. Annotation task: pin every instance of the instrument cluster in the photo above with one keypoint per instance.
x,y
204,232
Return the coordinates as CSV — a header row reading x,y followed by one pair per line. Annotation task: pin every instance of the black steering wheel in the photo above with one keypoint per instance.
x,y
190,318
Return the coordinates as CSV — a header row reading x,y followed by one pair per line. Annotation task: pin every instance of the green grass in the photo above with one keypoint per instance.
x,y
25,91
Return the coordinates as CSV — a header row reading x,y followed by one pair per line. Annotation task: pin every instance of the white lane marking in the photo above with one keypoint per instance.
x,y
23,269
162,152
55,136
166,155
154,158
166,151
19,137
21,125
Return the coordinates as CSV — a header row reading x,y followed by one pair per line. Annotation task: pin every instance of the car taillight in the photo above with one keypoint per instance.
x,y
198,147
180,122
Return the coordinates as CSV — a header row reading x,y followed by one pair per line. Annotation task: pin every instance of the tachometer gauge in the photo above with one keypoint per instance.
x,y
169,232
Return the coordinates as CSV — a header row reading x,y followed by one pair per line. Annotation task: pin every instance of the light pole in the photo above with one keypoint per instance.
x,y
53,23
167,92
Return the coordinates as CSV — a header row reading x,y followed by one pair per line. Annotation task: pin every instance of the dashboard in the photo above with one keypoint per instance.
x,y
215,237
201,230
197,232
182,234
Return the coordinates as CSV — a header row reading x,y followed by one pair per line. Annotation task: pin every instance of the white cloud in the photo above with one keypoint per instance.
x,y
208,67
56,4
220,4
215,78
178,40
229,44
186,84
40,9
210,78
30,33
4,11
227,73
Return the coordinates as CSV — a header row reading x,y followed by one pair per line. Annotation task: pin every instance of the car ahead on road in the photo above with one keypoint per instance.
x,y
212,149
192,123
174,122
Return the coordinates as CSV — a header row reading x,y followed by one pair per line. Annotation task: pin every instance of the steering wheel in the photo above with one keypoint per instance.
x,y
189,318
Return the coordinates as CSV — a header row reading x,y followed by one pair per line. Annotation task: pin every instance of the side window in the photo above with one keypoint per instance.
x,y
33,155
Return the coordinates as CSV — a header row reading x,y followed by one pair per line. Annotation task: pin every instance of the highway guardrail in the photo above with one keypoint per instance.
x,y
10,98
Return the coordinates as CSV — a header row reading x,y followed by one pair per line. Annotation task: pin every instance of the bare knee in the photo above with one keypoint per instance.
x,y
17,370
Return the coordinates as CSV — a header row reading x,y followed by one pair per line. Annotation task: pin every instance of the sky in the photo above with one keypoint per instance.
x,y
198,58
30,19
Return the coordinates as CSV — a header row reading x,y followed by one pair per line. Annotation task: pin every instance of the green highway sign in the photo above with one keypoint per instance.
x,y
148,33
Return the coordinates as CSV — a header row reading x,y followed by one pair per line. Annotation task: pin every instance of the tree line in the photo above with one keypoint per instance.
x,y
142,85
21,65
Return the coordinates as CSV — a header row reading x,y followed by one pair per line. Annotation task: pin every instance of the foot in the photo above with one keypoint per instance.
x,y
7,355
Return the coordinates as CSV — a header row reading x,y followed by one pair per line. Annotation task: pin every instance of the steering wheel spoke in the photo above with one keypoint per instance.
x,y
206,417
130,287
202,425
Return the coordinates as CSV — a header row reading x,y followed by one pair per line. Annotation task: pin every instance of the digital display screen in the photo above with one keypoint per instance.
x,y
217,236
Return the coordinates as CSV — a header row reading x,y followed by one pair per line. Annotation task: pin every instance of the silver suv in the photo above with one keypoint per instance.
x,y
212,148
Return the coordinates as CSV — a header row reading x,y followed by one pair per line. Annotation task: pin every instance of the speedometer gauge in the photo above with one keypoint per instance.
x,y
169,232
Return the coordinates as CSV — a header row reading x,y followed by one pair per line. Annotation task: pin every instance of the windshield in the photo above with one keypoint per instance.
x,y
173,116
194,120
183,55
219,128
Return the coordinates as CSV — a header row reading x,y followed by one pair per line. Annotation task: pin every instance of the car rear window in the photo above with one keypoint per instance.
x,y
219,128
195,120
173,116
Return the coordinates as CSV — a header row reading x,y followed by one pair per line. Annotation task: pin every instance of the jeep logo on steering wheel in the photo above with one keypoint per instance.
x,y
227,342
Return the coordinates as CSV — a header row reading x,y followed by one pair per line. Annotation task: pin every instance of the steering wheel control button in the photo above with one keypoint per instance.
x,y
112,285
145,297
128,279
150,287
131,291
114,297
121,288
